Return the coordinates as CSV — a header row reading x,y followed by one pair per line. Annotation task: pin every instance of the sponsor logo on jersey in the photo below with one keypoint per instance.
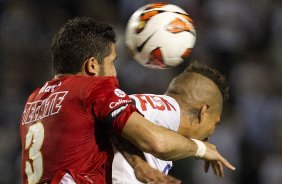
x,y
119,93
154,102
37,110
119,102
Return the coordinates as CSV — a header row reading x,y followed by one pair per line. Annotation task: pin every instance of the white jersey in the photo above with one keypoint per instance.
x,y
163,111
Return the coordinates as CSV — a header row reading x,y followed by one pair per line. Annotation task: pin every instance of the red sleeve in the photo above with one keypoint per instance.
x,y
111,106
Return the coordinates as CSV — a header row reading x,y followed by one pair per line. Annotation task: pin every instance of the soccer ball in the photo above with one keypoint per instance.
x,y
160,35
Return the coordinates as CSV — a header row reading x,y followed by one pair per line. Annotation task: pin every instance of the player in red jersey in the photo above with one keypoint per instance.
x,y
66,124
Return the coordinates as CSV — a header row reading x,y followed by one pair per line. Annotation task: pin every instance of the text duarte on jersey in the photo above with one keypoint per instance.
x,y
37,110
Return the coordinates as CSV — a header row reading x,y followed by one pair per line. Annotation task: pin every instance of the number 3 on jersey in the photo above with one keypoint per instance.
x,y
33,143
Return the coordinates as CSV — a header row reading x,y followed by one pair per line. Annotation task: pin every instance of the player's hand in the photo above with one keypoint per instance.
x,y
216,160
146,174
217,167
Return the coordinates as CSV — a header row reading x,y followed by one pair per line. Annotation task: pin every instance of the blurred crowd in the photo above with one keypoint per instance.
x,y
242,39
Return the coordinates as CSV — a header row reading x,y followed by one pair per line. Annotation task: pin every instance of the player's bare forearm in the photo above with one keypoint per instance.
x,y
166,144
159,141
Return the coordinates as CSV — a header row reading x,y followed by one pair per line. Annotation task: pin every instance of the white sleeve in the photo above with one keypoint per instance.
x,y
161,110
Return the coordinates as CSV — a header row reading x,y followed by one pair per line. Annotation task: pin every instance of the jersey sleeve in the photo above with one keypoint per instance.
x,y
162,110
110,105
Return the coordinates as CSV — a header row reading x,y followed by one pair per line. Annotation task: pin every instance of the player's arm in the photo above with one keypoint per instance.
x,y
166,144
142,170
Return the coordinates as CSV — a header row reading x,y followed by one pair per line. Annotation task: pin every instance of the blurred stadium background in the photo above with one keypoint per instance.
x,y
242,39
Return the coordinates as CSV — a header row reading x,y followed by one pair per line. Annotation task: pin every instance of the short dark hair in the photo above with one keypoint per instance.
x,y
212,74
79,39
191,90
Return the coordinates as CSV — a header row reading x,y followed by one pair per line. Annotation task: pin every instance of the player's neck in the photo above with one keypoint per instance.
x,y
64,74
184,125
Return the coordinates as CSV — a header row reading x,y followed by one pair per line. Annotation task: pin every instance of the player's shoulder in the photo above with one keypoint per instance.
x,y
99,80
154,98
79,83
100,86
88,82
152,95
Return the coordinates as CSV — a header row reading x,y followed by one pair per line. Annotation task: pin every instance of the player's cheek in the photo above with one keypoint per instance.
x,y
211,131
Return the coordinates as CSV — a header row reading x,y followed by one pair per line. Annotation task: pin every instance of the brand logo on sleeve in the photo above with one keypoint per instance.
x,y
116,112
119,93
119,102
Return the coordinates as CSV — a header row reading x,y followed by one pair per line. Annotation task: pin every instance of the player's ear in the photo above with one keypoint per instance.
x,y
203,113
91,67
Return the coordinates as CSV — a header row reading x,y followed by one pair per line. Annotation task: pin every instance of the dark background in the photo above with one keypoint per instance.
x,y
240,38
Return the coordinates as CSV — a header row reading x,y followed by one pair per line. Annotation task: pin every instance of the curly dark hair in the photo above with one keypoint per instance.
x,y
79,39
212,74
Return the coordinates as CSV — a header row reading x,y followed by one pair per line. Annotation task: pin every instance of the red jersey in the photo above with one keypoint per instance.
x,y
65,128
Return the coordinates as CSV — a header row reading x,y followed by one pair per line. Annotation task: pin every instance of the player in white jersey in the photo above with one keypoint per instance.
x,y
191,106
163,111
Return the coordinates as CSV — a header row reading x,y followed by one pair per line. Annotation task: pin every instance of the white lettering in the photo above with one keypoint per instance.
x,y
47,88
43,88
37,110
119,102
